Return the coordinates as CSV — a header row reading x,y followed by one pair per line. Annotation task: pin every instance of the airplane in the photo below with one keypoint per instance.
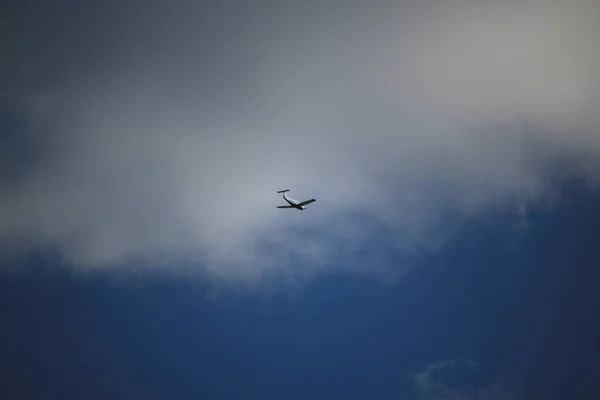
x,y
294,203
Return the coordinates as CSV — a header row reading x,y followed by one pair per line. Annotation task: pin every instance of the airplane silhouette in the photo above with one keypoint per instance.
x,y
299,205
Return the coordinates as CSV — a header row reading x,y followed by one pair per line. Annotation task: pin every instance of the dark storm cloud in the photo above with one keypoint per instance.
x,y
166,127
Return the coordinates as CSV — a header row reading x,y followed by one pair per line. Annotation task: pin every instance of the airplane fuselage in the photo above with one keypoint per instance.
x,y
293,203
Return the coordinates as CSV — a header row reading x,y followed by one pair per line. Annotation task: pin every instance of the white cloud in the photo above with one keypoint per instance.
x,y
168,128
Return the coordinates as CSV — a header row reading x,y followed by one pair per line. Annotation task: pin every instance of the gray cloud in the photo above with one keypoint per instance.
x,y
163,129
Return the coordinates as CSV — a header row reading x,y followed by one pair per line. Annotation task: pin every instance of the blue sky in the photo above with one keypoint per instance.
x,y
521,310
449,253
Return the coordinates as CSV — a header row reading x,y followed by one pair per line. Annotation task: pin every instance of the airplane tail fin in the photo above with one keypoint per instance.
x,y
283,191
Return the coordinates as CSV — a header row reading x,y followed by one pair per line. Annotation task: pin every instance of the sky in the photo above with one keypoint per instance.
x,y
142,144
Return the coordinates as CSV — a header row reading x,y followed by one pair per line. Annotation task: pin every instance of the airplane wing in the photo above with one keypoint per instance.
x,y
285,207
306,202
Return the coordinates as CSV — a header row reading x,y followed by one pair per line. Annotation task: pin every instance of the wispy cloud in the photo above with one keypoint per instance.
x,y
431,387
165,128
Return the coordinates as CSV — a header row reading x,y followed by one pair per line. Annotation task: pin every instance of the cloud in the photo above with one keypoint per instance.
x,y
457,383
164,129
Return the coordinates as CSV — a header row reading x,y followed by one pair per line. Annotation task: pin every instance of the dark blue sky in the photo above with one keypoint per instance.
x,y
522,307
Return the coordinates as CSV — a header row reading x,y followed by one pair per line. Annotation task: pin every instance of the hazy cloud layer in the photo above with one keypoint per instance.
x,y
166,127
